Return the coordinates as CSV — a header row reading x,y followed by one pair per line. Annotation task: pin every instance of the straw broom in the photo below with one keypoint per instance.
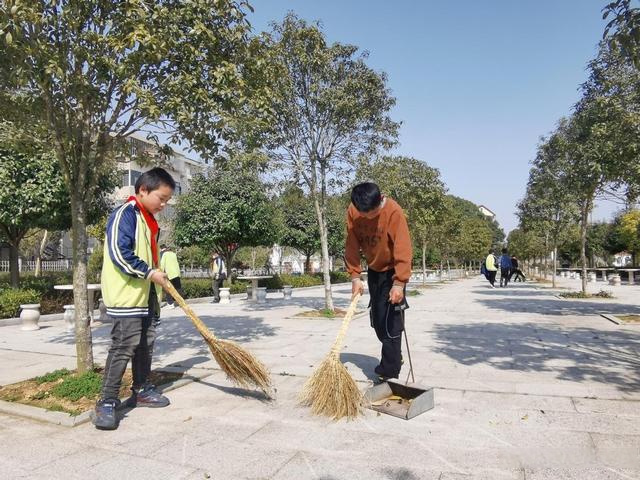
x,y
240,366
331,391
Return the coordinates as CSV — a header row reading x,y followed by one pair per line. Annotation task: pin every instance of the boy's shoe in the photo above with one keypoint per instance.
x,y
382,377
104,416
147,396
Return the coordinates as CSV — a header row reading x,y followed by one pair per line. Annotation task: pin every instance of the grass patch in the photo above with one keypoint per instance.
x,y
324,313
52,376
65,391
413,293
580,294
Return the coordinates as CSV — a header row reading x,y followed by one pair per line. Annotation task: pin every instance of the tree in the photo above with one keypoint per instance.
x,y
328,108
418,189
103,70
223,211
32,195
623,30
300,229
628,230
549,207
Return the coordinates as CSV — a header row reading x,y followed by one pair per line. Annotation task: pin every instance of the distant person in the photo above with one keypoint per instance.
x,y
516,272
505,267
491,269
219,274
169,265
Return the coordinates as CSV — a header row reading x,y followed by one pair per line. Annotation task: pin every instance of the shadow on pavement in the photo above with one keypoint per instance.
x,y
555,306
239,392
577,354
365,363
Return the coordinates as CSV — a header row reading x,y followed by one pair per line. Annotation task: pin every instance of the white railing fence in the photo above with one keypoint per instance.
x,y
47,265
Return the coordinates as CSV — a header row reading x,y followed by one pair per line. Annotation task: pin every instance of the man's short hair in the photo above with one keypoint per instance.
x,y
152,180
366,197
504,250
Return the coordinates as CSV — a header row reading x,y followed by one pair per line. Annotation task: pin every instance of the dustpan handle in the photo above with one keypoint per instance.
x,y
406,340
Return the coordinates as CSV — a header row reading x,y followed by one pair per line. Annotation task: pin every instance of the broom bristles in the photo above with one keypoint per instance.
x,y
330,390
240,366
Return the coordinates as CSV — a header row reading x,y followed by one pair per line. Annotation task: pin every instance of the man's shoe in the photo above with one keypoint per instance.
x,y
104,416
148,396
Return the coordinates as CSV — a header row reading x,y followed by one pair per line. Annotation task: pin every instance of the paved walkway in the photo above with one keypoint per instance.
x,y
528,386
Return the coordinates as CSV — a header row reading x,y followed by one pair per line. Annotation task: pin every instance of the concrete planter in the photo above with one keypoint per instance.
x,y
287,290
225,295
614,280
262,295
249,292
591,277
69,317
29,316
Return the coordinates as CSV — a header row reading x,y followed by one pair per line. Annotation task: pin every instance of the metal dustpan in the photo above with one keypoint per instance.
x,y
402,401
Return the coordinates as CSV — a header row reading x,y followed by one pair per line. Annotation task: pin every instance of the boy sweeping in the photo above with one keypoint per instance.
x,y
377,227
131,284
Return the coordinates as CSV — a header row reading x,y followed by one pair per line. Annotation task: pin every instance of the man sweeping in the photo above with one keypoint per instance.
x,y
377,227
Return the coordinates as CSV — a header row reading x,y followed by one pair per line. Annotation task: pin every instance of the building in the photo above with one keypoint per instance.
x,y
486,212
141,155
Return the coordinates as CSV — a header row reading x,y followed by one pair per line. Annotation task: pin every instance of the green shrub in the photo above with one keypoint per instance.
x,y
340,277
11,299
196,287
74,387
52,376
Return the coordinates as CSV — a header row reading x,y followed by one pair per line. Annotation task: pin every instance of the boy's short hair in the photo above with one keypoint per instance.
x,y
366,197
152,180
504,250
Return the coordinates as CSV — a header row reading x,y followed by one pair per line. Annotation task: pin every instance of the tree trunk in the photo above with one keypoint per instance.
x,y
307,263
583,244
555,264
14,268
84,350
324,250
43,244
424,263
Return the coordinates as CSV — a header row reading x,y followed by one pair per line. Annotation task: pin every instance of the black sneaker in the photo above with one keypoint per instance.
x,y
104,416
148,396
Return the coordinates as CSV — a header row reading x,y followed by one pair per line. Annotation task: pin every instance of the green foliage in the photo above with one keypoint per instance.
x,y
628,230
94,265
52,376
252,257
74,387
12,298
224,211
623,30
196,287
194,256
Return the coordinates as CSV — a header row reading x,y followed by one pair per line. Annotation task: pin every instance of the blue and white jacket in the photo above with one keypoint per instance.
x,y
126,263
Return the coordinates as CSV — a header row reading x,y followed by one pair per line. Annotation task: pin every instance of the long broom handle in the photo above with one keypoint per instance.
x,y
335,350
171,290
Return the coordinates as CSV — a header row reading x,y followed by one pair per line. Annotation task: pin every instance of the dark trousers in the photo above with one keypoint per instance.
x,y
131,339
505,273
217,285
387,322
491,276
518,274
178,286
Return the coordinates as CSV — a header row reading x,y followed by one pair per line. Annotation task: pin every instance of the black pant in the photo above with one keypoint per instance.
x,y
491,276
518,274
387,322
178,286
217,285
131,339
505,273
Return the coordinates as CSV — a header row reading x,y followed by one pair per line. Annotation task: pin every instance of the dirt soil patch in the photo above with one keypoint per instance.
x,y
629,318
40,394
338,313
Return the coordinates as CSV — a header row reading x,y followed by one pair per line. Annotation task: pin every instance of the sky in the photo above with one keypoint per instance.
x,y
477,83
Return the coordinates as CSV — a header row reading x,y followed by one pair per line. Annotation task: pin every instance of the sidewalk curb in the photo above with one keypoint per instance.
x,y
68,420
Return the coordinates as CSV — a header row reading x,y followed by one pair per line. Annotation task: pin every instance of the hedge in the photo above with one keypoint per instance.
x,y
12,298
